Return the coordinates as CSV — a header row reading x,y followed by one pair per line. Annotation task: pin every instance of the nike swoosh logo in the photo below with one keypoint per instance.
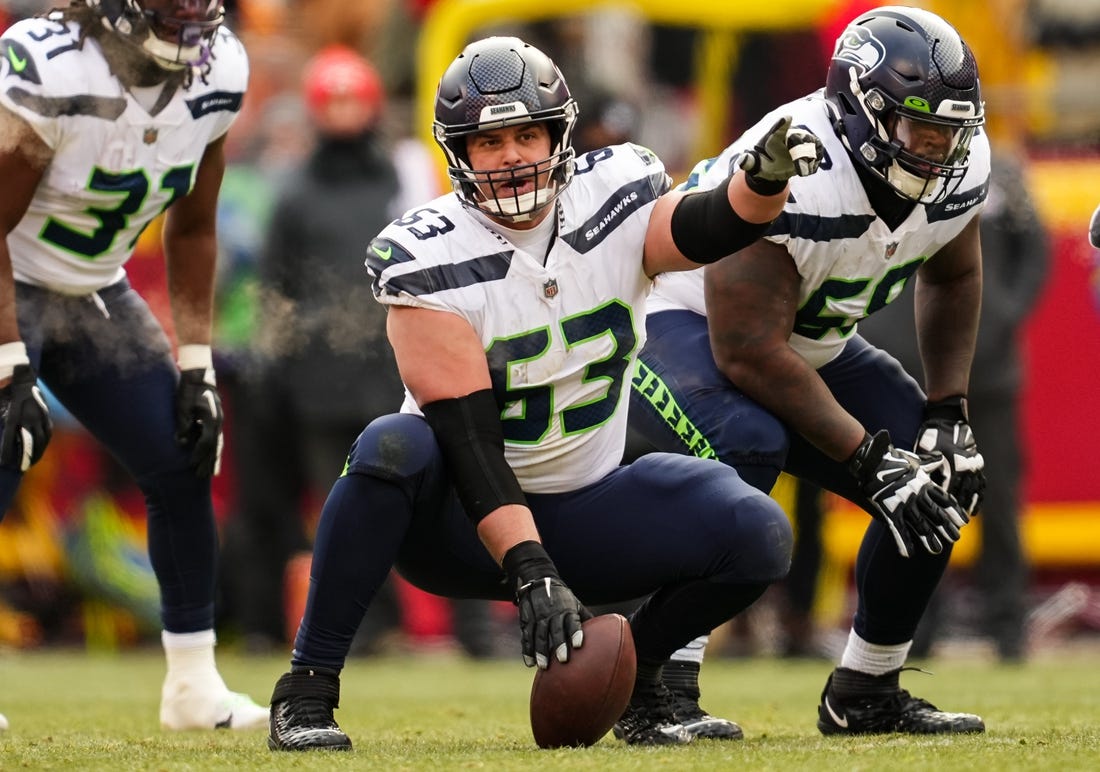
x,y
383,253
841,721
17,64
886,474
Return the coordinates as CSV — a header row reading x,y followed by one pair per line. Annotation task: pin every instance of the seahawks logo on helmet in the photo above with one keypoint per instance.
x,y
858,46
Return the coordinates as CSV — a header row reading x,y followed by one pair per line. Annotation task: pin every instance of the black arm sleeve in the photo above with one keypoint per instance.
x,y
706,229
469,433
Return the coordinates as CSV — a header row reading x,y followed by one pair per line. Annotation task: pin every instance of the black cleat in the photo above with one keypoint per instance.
x,y
301,712
650,720
700,724
682,679
858,703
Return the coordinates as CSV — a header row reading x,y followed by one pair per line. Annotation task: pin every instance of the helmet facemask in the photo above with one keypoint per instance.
x,y
922,155
488,189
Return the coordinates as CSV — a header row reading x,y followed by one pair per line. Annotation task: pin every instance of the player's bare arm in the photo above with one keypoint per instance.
x,y
947,304
23,160
190,249
751,302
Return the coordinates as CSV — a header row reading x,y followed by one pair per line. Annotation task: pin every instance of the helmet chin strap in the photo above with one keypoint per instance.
x,y
519,208
172,56
913,186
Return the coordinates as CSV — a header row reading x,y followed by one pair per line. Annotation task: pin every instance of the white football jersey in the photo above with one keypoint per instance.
x,y
850,262
562,337
115,167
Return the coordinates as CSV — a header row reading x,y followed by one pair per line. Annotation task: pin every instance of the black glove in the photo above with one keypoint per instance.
x,y
779,155
199,420
550,615
905,497
27,424
946,431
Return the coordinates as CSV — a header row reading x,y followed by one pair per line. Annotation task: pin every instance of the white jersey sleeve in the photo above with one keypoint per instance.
x,y
560,336
850,262
115,166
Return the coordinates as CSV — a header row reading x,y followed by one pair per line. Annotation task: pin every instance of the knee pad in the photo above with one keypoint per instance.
x,y
394,447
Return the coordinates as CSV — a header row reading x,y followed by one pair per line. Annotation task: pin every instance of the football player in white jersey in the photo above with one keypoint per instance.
x,y
516,312
113,111
781,380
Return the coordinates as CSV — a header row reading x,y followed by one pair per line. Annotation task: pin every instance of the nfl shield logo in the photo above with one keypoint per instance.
x,y
550,288
149,137
891,248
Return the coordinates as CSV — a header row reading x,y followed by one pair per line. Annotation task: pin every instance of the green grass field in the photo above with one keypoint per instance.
x,y
72,711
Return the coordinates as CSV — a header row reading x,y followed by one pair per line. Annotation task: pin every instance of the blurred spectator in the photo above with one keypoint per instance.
x,y
1014,265
320,367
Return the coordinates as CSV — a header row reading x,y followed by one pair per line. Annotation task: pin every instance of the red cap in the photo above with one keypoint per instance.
x,y
338,70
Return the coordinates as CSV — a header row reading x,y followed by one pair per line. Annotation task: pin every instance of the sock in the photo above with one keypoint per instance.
x,y
682,678
873,658
190,656
692,652
646,680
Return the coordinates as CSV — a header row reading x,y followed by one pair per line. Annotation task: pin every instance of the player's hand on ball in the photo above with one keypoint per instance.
x,y
550,616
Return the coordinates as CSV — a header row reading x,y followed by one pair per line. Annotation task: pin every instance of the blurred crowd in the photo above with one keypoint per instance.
x,y
325,153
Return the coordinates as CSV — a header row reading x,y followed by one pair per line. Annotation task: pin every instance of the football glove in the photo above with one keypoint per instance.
x,y
27,424
946,431
550,615
903,495
199,420
781,154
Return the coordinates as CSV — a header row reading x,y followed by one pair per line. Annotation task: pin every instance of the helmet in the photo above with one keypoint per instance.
x,y
498,82
897,73
175,33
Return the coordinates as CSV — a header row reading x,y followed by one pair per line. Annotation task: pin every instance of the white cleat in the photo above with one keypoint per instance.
x,y
3,723
183,708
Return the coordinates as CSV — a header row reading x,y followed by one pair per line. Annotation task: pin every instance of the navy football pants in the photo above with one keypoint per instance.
x,y
682,403
689,532
110,365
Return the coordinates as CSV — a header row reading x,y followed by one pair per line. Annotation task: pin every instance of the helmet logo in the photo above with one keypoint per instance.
x,y
858,46
917,103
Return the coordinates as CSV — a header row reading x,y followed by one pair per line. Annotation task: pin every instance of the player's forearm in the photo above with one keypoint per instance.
x,y
947,328
784,383
191,263
506,527
9,324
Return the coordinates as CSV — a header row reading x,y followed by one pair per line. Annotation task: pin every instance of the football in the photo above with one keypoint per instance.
x,y
577,702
